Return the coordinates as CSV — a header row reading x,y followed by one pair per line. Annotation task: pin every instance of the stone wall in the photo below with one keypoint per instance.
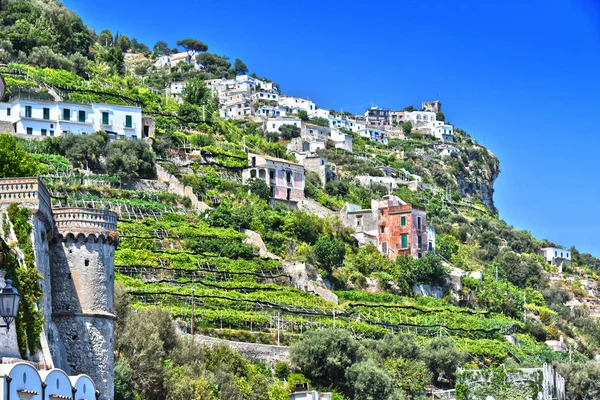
x,y
253,351
82,304
177,187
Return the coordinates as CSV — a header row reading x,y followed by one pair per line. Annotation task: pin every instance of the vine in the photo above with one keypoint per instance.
x,y
29,321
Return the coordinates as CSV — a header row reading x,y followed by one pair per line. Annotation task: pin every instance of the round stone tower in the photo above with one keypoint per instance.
x,y
82,278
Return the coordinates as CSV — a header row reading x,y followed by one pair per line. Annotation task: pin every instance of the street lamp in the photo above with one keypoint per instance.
x,y
9,302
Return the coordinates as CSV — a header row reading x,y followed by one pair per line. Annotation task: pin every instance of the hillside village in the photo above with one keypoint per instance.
x,y
180,228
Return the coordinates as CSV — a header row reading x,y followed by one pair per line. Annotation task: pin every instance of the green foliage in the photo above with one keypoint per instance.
x,y
288,131
30,321
192,46
325,357
83,150
14,161
240,67
407,128
129,159
260,188
303,115
329,252
439,116
369,381
319,121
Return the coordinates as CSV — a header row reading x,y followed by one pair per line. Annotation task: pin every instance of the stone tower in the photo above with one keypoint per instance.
x,y
82,264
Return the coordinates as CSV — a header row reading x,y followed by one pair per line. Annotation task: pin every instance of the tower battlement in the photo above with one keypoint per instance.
x,y
29,192
85,221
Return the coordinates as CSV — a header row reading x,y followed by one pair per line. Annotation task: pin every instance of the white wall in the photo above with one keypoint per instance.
x,y
273,124
55,125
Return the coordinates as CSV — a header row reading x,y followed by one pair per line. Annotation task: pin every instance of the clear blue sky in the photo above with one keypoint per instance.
x,y
522,77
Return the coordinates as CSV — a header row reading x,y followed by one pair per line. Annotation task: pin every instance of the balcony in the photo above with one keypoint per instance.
x,y
106,122
87,121
129,126
33,116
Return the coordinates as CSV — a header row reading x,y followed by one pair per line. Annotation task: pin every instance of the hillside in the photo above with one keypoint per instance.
x,y
215,252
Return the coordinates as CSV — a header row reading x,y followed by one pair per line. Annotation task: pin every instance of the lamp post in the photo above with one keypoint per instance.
x,y
9,302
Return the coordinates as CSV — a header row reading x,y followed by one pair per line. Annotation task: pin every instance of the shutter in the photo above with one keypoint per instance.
x,y
404,241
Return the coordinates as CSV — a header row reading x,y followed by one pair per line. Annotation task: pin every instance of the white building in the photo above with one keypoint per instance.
x,y
273,124
170,60
374,135
444,132
50,118
555,256
264,96
446,150
298,103
176,89
312,132
270,112
419,118
430,238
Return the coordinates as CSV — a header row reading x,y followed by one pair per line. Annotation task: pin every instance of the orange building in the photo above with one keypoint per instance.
x,y
399,228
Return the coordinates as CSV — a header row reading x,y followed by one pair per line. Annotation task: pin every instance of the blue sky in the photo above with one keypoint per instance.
x,y
522,77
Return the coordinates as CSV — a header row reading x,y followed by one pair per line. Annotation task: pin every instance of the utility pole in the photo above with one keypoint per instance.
x,y
193,307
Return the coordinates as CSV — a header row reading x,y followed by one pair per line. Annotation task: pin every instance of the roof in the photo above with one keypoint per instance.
x,y
275,159
318,126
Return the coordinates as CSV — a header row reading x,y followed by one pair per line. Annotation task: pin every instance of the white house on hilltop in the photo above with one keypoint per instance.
x,y
298,103
273,124
50,118
419,118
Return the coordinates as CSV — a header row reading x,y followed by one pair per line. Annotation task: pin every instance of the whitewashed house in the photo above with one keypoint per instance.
x,y
374,135
38,118
284,178
273,124
419,118
312,132
298,103
555,256
264,96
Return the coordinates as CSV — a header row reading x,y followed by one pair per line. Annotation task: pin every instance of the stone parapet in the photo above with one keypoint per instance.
x,y
86,221
24,190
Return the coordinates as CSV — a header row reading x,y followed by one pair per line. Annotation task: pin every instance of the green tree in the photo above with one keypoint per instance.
x,y
409,108
368,381
105,38
439,116
240,67
407,127
443,359
214,64
320,121
329,252
303,115
129,159
289,131
282,370
325,355
123,384
84,150
446,245
14,161
259,188
123,42
161,47
192,46
582,380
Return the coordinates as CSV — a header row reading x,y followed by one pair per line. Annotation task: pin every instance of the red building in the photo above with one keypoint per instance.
x,y
399,228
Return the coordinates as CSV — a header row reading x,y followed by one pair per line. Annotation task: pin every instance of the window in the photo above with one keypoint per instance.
x,y
28,111
419,255
46,113
128,121
104,118
567,255
30,131
419,223
66,114
383,229
8,112
404,241
288,176
555,253
81,116
403,220
271,174
273,126
561,254
44,132
420,241
382,212
289,194
51,133
359,220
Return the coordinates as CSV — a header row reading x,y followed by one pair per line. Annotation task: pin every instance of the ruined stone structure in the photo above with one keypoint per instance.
x,y
74,253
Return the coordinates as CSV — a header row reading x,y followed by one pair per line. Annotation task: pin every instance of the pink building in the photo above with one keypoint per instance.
x,y
285,178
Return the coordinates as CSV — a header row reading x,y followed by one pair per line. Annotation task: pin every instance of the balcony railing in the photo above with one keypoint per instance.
x,y
129,126
87,121
106,122
31,115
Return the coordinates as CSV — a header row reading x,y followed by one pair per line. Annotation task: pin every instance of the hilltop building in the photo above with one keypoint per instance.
x,y
419,118
38,118
273,124
284,178
298,103
74,252
391,224
377,116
